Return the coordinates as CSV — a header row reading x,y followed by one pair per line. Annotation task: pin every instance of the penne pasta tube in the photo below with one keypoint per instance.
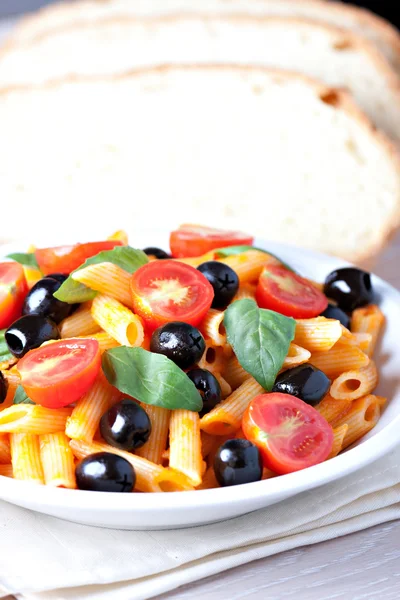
x,y
371,320
234,373
154,448
339,434
212,327
118,321
213,358
13,378
209,480
80,323
12,386
226,417
248,265
33,419
354,384
296,356
339,359
57,460
318,334
106,278
245,291
120,236
105,341
5,452
207,443
32,275
226,389
6,471
332,410
362,416
25,457
195,261
268,474
185,445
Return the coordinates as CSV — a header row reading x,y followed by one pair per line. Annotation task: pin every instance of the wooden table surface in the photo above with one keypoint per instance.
x,y
361,566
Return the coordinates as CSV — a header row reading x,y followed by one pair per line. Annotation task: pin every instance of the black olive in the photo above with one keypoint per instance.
x,y
180,342
29,332
305,382
3,388
334,312
208,387
223,279
125,425
237,461
58,277
349,287
157,252
40,301
105,472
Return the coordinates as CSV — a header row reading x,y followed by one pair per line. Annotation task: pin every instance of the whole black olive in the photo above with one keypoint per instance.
x,y
349,287
305,382
157,252
125,425
334,312
29,332
40,301
223,279
58,276
208,387
3,388
180,342
237,461
105,472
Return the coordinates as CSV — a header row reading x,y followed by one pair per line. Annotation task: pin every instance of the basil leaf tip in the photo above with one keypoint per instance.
x,y
20,396
150,378
27,259
260,339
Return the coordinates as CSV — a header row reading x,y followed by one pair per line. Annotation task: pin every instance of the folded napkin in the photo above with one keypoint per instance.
x,y
43,558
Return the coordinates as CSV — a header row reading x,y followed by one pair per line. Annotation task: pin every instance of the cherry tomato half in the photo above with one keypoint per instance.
x,y
65,259
13,289
60,373
290,434
167,290
194,240
289,294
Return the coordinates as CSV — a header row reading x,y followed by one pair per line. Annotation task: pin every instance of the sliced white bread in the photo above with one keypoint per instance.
x,y
70,14
335,57
269,152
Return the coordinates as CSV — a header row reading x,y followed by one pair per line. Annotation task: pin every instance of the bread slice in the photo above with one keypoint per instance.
x,y
335,57
265,151
65,15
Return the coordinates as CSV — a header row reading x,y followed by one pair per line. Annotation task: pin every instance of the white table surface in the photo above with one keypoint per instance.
x,y
361,566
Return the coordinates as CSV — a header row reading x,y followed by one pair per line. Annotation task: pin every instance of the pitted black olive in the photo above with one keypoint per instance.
x,y
350,288
126,425
3,388
40,301
30,332
105,472
305,382
208,386
180,342
237,461
157,252
334,312
58,276
223,279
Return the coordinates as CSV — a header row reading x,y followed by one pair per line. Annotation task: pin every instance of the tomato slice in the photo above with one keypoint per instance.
x,y
65,259
13,289
194,240
290,434
167,290
60,373
289,294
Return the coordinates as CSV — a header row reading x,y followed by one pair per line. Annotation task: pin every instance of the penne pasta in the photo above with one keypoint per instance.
x,y
354,384
117,320
57,460
154,448
6,471
106,278
339,359
268,474
80,323
369,319
245,291
213,358
25,457
226,389
5,452
185,445
33,419
234,373
209,480
296,356
105,341
318,334
339,434
32,275
212,327
120,236
332,410
362,416
248,265
207,443
195,261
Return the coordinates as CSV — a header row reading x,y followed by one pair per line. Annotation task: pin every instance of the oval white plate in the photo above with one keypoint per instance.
x,y
173,510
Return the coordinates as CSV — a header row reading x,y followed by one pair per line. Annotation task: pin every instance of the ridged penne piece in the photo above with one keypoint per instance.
x,y
6,471
33,419
13,378
32,275
226,417
332,410
108,279
249,264
120,236
207,443
86,415
209,480
362,416
234,373
155,446
339,359
351,385
195,261
25,457
57,460
185,445
339,434
149,476
226,389
5,452
117,320
105,341
213,358
246,291
318,334
80,323
369,319
212,327
296,356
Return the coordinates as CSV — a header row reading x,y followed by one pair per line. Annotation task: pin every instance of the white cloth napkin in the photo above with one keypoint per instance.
x,y
43,558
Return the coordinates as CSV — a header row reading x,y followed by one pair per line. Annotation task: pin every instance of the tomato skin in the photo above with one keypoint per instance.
x,y
195,240
13,289
290,434
290,294
60,373
167,290
65,259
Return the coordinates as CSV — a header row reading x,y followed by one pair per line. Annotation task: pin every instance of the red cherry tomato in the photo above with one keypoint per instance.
x,y
60,373
13,289
194,240
289,294
167,290
65,259
290,434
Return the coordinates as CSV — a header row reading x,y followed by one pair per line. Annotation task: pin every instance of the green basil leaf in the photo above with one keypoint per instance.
x,y
233,250
20,396
5,354
125,257
151,378
28,259
260,339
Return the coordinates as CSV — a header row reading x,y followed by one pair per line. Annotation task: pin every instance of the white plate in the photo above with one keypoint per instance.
x,y
184,509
